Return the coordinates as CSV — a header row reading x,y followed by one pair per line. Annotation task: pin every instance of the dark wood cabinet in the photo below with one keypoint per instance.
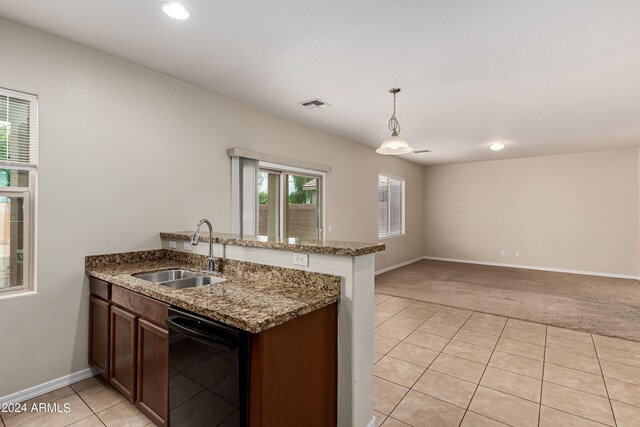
x,y
99,317
122,363
293,372
129,346
292,366
153,371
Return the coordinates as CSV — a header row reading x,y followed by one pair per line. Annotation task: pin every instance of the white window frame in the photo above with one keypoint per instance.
x,y
390,235
30,199
275,167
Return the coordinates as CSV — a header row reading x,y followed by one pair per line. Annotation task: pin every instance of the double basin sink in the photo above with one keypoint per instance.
x,y
178,279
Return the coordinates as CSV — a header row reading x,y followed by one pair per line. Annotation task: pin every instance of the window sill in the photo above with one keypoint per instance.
x,y
16,293
395,236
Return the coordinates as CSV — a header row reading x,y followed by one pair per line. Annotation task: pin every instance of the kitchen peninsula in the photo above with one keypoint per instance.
x,y
264,293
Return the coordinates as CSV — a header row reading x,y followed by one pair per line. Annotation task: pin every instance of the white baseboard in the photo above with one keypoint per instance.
x,y
402,264
373,422
41,389
530,267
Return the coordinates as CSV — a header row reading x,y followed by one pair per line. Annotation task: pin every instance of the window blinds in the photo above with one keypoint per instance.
x,y
244,196
17,130
390,206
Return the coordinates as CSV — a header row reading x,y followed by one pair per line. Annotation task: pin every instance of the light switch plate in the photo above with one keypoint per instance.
x,y
301,259
172,245
187,246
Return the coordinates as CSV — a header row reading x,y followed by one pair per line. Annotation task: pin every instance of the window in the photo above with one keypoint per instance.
x,y
289,204
390,206
18,136
277,198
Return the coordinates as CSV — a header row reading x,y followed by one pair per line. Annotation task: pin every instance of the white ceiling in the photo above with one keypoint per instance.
x,y
548,76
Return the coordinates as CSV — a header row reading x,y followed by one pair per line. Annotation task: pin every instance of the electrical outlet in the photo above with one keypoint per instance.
x,y
187,246
517,253
172,245
301,259
503,253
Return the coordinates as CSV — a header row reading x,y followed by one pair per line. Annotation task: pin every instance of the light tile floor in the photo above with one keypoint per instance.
x,y
441,366
92,403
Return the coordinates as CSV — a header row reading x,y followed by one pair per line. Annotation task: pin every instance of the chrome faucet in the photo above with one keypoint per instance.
x,y
196,237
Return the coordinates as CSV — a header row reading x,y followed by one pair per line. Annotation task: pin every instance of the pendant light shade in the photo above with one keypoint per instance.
x,y
394,145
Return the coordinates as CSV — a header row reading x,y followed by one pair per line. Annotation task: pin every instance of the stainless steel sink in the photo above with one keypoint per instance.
x,y
166,275
178,279
192,282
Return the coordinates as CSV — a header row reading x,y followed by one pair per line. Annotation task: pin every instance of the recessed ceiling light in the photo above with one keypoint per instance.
x,y
175,10
496,146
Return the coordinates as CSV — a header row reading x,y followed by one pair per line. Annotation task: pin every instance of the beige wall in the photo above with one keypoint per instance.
x,y
575,211
126,153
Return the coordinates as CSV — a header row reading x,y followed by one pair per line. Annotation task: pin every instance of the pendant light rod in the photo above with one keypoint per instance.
x,y
394,124
394,145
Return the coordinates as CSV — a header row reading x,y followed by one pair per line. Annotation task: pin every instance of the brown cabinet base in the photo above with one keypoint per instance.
x,y
122,362
130,348
292,366
153,372
99,320
293,372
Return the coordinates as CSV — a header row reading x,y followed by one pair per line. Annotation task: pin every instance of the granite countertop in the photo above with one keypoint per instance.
x,y
253,298
332,247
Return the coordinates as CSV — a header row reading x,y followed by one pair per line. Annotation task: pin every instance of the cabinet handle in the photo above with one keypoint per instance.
x,y
174,323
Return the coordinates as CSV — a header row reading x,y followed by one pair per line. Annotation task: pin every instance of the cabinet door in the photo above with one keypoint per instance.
x,y
99,335
122,372
153,371
293,372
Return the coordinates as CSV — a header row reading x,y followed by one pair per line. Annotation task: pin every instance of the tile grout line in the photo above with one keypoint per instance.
x,y
483,371
408,388
459,357
575,369
522,320
524,342
90,408
486,312
575,389
440,352
520,355
544,362
621,380
401,341
543,365
606,389
568,338
617,349
575,415
488,417
619,363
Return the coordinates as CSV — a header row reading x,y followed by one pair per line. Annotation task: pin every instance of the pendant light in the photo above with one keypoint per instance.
x,y
394,145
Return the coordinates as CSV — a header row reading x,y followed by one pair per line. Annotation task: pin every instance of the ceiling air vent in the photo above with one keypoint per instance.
x,y
315,103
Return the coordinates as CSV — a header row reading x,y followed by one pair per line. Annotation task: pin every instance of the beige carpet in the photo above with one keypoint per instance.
x,y
597,305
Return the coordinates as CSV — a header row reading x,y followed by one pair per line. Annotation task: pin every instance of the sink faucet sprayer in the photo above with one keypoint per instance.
x,y
196,237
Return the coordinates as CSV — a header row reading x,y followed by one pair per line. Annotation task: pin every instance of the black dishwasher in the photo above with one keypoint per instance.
x,y
208,372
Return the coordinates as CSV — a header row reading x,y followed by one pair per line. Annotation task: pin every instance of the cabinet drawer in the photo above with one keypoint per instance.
x,y
100,288
146,307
